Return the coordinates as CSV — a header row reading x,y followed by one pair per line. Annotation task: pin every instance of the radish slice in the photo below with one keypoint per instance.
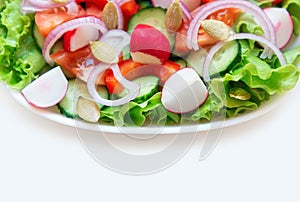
x,y
191,4
82,36
117,39
163,4
47,90
59,31
133,88
283,24
148,45
184,91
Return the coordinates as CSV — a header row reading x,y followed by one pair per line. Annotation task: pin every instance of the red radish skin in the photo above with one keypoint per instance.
x,y
148,45
282,23
47,90
67,40
80,37
184,92
191,4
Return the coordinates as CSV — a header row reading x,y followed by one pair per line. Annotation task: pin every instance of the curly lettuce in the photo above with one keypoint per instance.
x,y
20,58
137,114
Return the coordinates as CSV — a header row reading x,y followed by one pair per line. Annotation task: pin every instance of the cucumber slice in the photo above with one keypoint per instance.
x,y
195,59
76,89
56,47
149,86
155,17
38,37
181,62
221,62
225,57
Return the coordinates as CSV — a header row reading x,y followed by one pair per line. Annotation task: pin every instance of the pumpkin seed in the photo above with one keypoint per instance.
x,y
103,52
87,109
174,16
110,15
217,29
60,1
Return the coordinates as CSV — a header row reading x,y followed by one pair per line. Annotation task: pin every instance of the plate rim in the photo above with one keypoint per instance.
x,y
53,116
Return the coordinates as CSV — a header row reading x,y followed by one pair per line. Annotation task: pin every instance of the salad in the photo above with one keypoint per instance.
x,y
127,62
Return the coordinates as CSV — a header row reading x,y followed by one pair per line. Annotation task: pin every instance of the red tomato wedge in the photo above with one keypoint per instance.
x,y
227,16
48,19
128,9
131,70
70,61
99,3
94,10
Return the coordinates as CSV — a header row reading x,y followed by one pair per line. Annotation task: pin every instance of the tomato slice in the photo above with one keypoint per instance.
x,y
206,1
131,70
93,10
180,43
228,16
70,61
128,9
47,20
99,3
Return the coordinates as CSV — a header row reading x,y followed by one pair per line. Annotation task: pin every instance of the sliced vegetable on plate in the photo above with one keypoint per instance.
x,y
128,63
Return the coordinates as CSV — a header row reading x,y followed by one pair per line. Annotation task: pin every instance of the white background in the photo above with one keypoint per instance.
x,y
44,161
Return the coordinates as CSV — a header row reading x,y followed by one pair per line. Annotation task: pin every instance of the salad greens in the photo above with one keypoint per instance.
x,y
20,58
259,78
293,7
248,82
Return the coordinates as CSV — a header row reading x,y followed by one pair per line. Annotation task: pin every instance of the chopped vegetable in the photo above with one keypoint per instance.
x,y
128,63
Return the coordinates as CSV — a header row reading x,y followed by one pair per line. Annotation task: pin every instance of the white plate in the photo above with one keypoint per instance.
x,y
53,114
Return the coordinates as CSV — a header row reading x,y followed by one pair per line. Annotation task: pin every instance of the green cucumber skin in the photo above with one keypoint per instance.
x,y
226,57
223,61
38,37
148,87
76,89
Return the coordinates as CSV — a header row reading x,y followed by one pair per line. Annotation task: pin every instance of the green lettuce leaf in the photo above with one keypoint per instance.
x,y
20,58
296,22
293,7
292,56
262,3
137,114
246,23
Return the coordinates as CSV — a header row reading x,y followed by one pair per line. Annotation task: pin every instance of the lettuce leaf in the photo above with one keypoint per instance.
x,y
20,58
260,79
137,114
292,56
246,23
262,3
293,7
